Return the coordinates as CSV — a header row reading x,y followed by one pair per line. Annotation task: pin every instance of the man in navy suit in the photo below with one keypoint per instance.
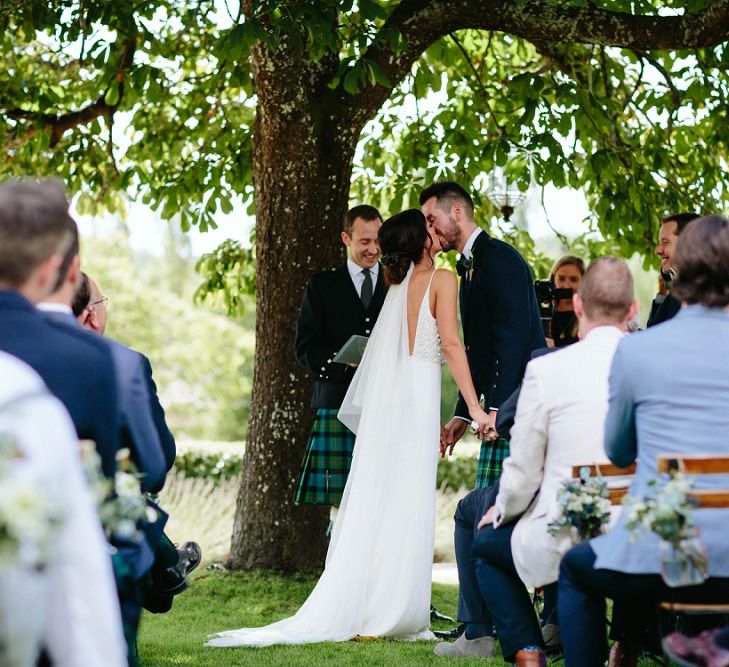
x,y
37,243
499,314
171,566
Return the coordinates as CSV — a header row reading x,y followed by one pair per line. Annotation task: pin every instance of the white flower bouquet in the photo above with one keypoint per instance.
x,y
584,505
122,506
29,517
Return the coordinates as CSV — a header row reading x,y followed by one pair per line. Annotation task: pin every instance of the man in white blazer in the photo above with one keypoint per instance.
x,y
559,423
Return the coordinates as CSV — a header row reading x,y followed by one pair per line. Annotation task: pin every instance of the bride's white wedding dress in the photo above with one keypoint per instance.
x,y
377,579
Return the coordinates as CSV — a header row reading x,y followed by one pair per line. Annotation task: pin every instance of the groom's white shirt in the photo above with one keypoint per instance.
x,y
559,423
82,618
469,244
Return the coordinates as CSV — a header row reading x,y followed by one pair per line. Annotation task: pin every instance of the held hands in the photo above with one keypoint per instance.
x,y
450,434
486,423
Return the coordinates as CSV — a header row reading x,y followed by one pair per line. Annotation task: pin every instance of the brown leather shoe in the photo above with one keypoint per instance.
x,y
622,655
530,659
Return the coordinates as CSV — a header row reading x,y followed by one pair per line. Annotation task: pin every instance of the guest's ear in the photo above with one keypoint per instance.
x,y
632,312
577,305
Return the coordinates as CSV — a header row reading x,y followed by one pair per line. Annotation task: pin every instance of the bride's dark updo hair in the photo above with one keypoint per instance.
x,y
403,238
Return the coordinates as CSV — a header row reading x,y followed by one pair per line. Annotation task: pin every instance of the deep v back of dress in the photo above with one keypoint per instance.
x,y
377,578
426,342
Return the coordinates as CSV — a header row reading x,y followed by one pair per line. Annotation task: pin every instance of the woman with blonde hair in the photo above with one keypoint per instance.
x,y
566,273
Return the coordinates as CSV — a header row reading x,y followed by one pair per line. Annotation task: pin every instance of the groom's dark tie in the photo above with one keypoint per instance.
x,y
366,294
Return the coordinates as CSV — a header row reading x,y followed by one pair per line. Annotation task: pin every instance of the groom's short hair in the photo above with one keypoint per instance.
x,y
447,193
364,211
607,290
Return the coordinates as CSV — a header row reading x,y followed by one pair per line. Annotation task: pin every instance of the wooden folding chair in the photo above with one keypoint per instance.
x,y
619,478
698,464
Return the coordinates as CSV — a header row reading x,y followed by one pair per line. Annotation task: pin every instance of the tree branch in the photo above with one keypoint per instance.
x,y
59,124
422,22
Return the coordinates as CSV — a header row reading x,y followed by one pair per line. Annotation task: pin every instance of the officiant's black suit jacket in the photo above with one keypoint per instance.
x,y
330,313
500,319
79,373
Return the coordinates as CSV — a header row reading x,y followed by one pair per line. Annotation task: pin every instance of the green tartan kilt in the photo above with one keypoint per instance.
x,y
327,461
490,462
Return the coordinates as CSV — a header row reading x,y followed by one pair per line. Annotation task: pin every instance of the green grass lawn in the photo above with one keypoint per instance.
x,y
222,601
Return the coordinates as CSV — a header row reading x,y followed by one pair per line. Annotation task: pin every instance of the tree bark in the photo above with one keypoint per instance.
x,y
303,159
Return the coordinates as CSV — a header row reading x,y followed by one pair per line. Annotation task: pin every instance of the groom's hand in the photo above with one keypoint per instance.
x,y
451,433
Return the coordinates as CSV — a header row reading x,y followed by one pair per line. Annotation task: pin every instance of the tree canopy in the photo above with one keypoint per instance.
x,y
294,107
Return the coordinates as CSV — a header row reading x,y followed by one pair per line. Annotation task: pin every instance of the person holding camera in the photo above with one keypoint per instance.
x,y
564,278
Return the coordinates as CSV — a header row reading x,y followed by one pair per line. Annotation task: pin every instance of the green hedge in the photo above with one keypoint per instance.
x,y
453,474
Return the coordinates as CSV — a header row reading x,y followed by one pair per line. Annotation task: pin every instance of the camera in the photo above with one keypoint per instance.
x,y
547,296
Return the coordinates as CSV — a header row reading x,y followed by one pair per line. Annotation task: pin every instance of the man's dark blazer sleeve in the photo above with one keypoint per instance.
x,y
138,431
167,441
312,349
507,410
513,319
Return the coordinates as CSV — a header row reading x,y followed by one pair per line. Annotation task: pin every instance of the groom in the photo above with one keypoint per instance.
x,y
499,315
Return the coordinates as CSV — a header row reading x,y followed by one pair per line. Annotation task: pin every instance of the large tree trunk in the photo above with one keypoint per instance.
x,y
302,166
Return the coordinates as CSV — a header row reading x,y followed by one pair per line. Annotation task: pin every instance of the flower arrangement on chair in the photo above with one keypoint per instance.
x,y
667,511
584,505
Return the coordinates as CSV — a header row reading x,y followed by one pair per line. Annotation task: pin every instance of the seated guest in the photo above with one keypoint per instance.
x,y
136,422
37,237
81,623
672,402
559,422
566,274
169,572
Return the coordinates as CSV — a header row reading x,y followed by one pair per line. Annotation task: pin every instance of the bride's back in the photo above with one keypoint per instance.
x,y
420,281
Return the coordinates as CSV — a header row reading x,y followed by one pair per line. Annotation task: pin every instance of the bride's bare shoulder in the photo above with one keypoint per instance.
x,y
445,277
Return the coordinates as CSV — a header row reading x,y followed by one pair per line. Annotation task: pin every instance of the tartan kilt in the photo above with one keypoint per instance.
x,y
327,461
490,462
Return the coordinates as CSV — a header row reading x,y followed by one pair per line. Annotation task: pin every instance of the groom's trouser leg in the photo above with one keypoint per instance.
x,y
471,607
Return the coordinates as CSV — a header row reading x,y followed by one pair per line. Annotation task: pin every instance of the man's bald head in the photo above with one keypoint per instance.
x,y
607,291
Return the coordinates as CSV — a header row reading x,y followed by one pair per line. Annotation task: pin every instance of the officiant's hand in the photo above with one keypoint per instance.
x,y
451,433
487,518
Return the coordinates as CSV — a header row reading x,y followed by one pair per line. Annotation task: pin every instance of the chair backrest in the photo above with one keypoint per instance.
x,y
699,464
619,482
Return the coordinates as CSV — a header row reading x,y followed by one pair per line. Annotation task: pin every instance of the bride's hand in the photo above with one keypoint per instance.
x,y
486,422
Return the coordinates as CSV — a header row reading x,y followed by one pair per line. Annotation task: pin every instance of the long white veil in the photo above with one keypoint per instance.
x,y
386,350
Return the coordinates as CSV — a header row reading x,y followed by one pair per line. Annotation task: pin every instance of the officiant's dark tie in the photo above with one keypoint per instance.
x,y
366,294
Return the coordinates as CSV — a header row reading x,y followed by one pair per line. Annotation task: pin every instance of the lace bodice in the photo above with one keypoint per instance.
x,y
427,339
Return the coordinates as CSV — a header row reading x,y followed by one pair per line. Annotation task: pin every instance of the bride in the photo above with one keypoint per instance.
x,y
377,578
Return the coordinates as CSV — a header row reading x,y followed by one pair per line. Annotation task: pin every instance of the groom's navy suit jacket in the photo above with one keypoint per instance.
x,y
80,373
330,313
500,320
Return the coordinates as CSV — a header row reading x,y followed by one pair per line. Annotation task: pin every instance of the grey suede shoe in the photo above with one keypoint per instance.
x,y
483,647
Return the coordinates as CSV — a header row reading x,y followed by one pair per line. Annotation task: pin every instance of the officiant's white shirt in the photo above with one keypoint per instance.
x,y
357,275
83,622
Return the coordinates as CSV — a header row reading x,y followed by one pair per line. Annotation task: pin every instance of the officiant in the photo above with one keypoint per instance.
x,y
337,304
